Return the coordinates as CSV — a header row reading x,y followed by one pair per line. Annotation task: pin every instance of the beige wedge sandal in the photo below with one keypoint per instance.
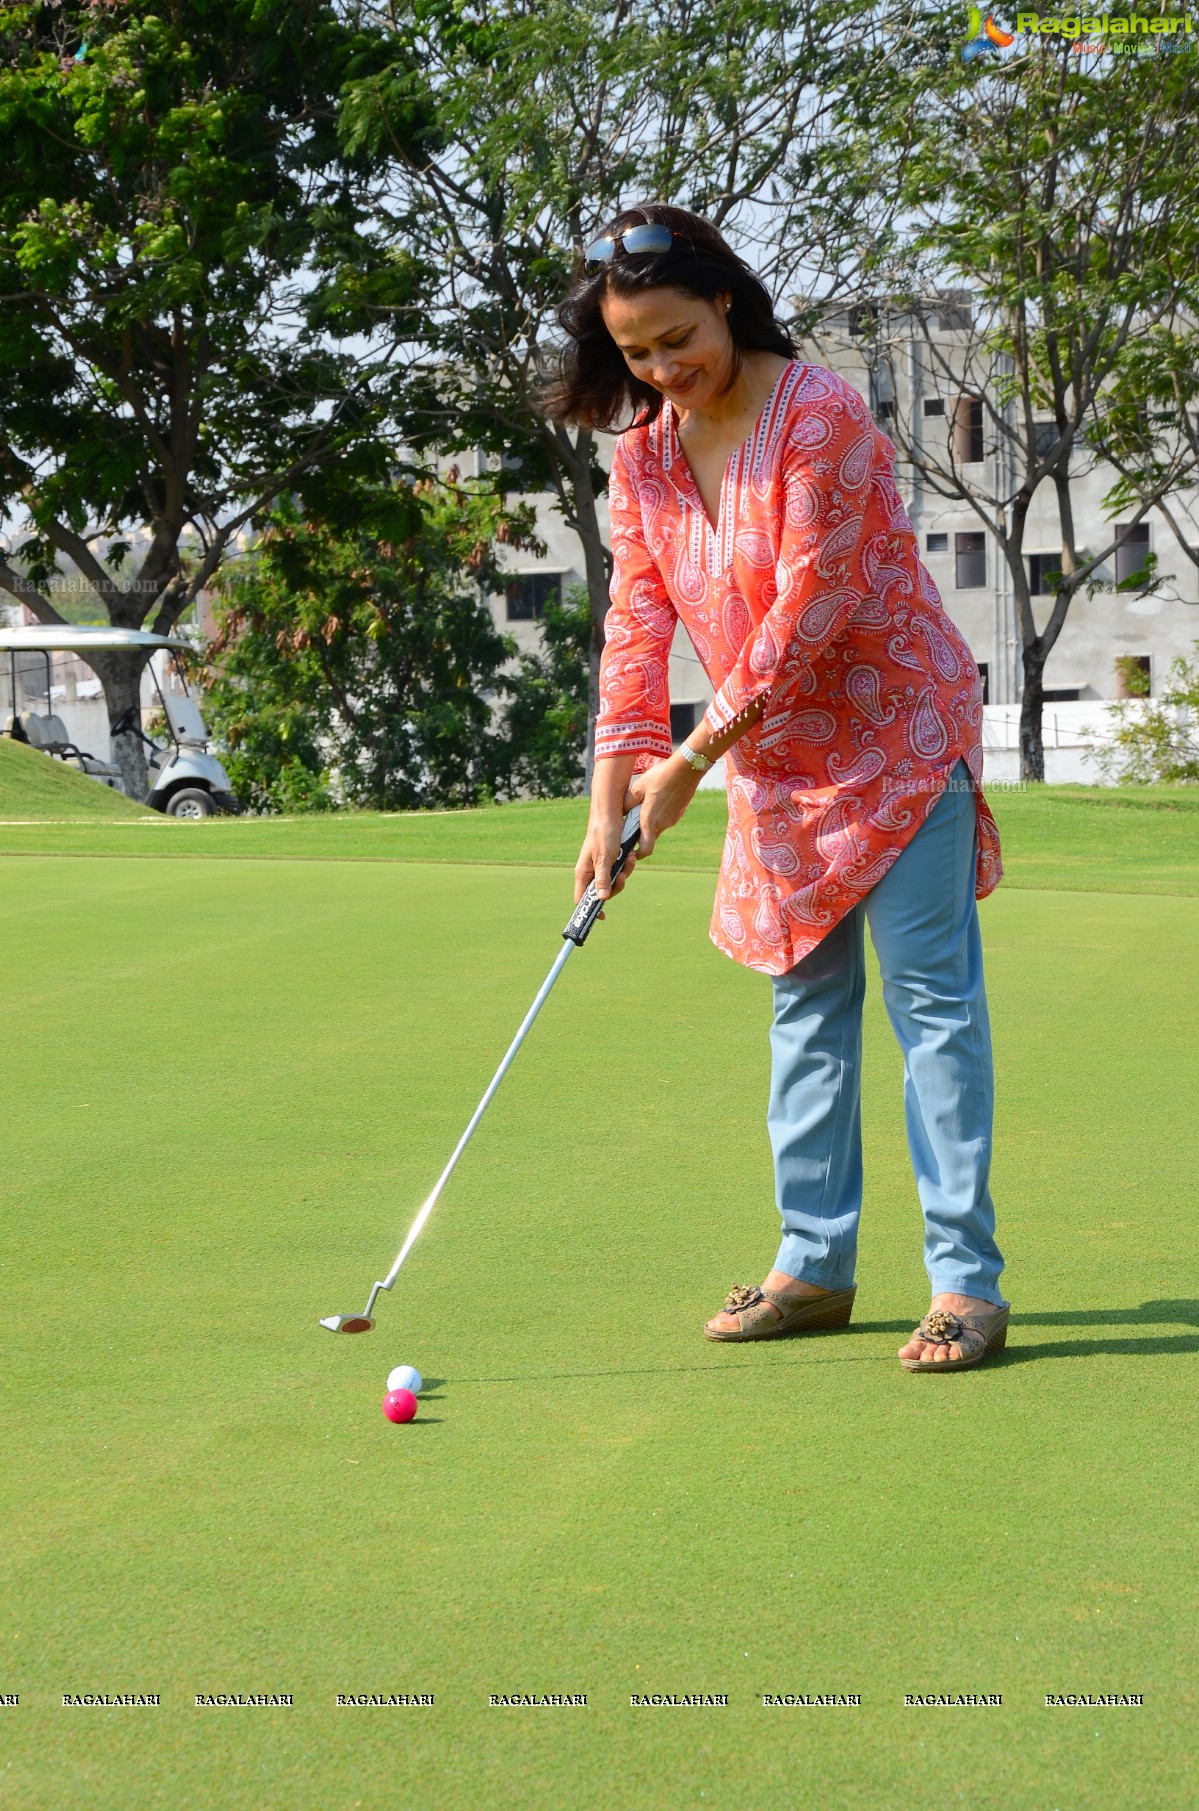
x,y
976,1334
796,1313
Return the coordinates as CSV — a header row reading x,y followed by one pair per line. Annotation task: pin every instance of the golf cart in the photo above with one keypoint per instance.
x,y
185,780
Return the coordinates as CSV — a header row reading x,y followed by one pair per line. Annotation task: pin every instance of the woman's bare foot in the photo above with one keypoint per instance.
x,y
777,1280
955,1304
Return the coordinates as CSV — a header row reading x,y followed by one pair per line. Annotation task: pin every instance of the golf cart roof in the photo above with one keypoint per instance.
x,y
71,638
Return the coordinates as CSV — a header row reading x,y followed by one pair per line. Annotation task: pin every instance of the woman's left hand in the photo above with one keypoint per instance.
x,y
663,793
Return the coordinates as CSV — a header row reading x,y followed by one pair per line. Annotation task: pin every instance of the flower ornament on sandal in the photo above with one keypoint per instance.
x,y
941,1328
741,1295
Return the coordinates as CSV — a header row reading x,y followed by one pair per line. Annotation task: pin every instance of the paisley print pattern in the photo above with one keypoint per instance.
x,y
808,591
928,733
869,764
865,688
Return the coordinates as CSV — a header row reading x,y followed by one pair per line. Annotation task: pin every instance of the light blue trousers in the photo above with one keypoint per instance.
x,y
924,926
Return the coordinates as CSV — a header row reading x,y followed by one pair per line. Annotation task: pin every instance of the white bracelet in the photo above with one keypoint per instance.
x,y
693,758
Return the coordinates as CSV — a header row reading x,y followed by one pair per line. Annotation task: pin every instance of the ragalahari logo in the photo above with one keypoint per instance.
x,y
983,37
1105,34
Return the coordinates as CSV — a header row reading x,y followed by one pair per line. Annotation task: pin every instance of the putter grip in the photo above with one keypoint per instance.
x,y
579,924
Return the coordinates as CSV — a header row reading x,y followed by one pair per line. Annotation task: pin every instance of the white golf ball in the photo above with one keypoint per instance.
x,y
405,1377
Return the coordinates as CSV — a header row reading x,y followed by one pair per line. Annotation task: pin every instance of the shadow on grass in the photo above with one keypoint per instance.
x,y
1153,1314
1145,1345
1175,1345
1149,1314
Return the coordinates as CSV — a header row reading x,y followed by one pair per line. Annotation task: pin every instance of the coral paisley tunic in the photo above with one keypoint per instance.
x,y
810,590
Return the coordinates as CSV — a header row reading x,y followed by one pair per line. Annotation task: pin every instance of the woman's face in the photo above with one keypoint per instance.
x,y
677,343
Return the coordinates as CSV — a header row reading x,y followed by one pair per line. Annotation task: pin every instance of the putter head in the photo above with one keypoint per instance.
x,y
348,1323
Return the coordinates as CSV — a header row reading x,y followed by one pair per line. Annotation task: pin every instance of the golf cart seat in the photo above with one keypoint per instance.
x,y
61,744
187,725
39,732
99,770
50,735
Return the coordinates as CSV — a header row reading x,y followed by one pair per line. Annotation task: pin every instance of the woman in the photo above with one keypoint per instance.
x,y
754,500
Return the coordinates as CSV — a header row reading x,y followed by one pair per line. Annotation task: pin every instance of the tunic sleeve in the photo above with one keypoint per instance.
x,y
634,709
827,479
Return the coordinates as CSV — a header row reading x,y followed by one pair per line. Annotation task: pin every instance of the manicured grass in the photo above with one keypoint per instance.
x,y
1071,838
227,1087
33,786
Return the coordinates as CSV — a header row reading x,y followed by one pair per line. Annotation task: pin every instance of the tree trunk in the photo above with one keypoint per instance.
x,y
1032,748
120,675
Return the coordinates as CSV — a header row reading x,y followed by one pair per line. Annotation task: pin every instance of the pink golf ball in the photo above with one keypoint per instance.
x,y
399,1405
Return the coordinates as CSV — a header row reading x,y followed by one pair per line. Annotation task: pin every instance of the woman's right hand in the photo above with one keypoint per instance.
x,y
601,845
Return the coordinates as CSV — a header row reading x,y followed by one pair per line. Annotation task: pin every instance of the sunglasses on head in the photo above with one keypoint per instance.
x,y
635,241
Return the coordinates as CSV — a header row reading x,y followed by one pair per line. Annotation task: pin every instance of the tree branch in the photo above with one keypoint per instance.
x,y
77,550
27,593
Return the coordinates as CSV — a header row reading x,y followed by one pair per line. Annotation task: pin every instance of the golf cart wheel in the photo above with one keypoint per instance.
x,y
191,802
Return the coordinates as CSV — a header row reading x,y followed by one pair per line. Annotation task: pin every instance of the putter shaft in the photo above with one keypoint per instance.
x,y
415,1229
578,928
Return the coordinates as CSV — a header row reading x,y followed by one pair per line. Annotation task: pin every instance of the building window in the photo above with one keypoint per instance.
x,y
1062,694
1044,437
1126,667
934,405
984,673
885,410
1131,557
683,718
936,543
968,446
863,318
956,312
1040,565
970,560
529,592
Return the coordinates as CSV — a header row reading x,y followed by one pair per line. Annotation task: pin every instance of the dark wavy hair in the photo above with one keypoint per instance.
x,y
593,385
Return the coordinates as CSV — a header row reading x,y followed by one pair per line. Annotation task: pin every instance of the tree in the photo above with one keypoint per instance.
x,y
175,210
550,115
357,659
1153,742
1047,214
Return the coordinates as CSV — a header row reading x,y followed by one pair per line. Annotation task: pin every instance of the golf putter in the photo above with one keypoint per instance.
x,y
578,928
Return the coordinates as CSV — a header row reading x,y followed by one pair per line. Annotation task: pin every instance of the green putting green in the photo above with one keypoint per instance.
x,y
228,1085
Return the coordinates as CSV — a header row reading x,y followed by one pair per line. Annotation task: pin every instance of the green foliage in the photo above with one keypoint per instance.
x,y
1050,194
356,658
357,661
1156,741
1132,676
1056,193
546,720
174,198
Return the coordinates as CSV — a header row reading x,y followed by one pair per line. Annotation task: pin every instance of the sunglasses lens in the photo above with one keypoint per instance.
x,y
651,238
599,251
